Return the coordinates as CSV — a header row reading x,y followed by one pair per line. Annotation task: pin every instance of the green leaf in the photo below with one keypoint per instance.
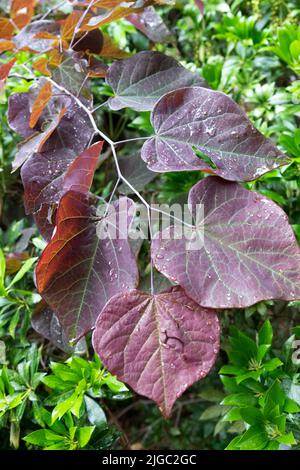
x,y
212,412
255,438
2,272
114,384
232,415
231,370
265,334
251,415
95,414
290,406
240,400
21,273
287,439
84,435
62,408
272,364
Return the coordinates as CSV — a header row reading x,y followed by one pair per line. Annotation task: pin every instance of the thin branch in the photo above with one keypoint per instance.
x,y
81,19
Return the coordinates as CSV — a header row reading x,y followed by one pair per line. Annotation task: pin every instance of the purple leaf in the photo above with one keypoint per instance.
x,y
136,172
37,141
79,271
47,176
211,122
43,172
72,75
46,323
158,344
150,23
19,114
28,39
249,254
139,82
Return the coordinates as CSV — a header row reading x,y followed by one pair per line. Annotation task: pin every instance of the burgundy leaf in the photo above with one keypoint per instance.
x,y
211,122
79,271
139,82
249,254
19,114
44,219
150,23
158,344
47,176
36,142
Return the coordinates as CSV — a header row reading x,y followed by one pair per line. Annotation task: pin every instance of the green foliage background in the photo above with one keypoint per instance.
x,y
250,49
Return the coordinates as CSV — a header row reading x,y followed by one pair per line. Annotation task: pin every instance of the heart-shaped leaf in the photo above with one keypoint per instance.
x,y
158,344
249,254
79,271
209,121
139,82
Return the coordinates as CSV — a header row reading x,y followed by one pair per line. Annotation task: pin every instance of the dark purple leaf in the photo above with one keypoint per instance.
x,y
139,82
79,271
19,114
136,172
215,125
43,172
28,38
47,176
150,23
72,75
159,345
249,254
91,41
46,323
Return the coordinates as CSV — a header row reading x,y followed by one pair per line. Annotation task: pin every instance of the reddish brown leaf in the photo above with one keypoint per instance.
x,y
79,175
111,50
6,45
69,25
6,29
55,58
6,68
41,101
79,271
40,65
158,344
36,142
21,12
